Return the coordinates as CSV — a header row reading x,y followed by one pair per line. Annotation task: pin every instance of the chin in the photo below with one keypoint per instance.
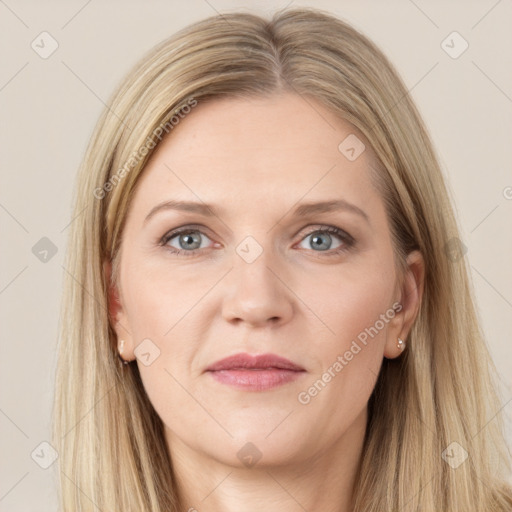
x,y
255,445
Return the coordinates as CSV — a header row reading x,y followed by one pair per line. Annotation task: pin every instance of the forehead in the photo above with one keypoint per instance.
x,y
258,152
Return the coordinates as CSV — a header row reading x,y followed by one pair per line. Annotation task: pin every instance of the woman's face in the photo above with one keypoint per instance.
x,y
257,273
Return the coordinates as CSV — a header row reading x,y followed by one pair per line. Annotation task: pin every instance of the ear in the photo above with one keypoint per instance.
x,y
117,315
409,299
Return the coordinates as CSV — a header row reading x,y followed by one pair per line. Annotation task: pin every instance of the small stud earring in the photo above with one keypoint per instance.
x,y
401,344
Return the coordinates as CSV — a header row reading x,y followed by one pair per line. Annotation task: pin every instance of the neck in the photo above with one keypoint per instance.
x,y
323,481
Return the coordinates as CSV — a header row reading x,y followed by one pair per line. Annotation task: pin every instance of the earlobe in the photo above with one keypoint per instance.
x,y
410,299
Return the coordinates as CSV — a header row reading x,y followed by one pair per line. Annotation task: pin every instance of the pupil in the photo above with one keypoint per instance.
x,y
317,240
189,239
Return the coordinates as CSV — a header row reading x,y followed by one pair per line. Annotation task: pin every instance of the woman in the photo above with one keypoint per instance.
x,y
267,306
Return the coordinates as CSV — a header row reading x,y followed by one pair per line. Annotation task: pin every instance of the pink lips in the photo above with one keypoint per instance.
x,y
255,373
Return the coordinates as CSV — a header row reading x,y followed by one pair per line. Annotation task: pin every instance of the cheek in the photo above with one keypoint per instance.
x,y
163,305
349,301
158,297
355,305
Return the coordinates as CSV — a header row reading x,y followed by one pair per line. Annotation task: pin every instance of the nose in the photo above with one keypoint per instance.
x,y
257,293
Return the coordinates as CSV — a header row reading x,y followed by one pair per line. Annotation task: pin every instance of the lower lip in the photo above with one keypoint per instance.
x,y
256,380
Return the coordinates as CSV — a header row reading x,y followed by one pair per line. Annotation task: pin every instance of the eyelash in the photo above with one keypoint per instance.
x,y
348,241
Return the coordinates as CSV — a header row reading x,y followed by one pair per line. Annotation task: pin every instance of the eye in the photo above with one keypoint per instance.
x,y
322,239
190,240
184,241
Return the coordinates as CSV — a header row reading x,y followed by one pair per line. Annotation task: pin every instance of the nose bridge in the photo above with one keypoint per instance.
x,y
256,292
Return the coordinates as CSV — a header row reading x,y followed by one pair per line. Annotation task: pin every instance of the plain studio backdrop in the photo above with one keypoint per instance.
x,y
455,60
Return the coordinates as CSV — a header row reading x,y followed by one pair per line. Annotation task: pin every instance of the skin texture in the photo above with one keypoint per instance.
x,y
255,160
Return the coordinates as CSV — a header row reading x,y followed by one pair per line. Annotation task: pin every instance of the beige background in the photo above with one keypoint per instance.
x,y
49,107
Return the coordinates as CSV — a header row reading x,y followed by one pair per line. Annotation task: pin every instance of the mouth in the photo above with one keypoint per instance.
x,y
255,373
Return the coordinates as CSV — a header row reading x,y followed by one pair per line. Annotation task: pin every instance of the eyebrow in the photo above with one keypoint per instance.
x,y
302,210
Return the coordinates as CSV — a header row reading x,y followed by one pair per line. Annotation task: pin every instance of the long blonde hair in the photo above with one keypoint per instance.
x,y
444,388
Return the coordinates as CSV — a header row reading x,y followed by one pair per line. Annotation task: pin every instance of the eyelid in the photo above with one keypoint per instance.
x,y
330,229
183,229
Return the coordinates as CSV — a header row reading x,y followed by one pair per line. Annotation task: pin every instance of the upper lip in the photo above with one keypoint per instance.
x,y
244,361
